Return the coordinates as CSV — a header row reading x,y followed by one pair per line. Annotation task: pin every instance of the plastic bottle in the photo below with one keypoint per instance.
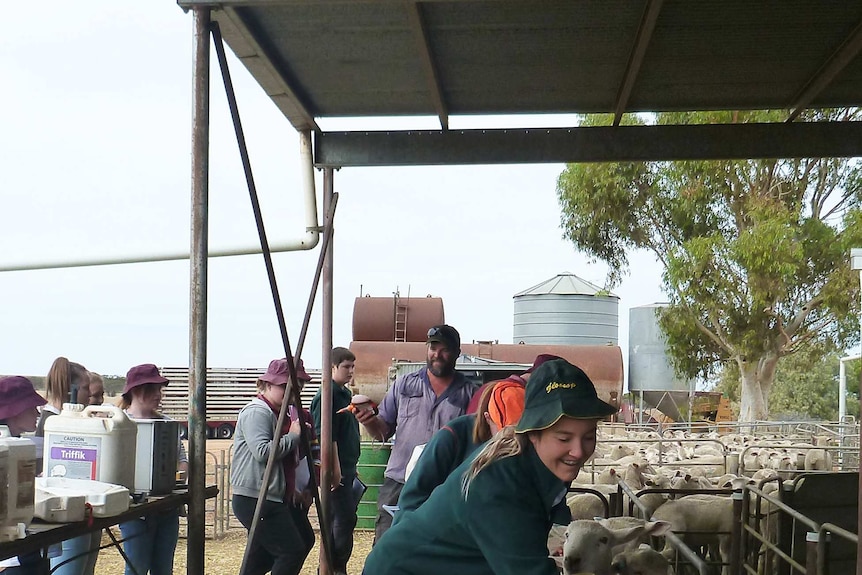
x,y
96,442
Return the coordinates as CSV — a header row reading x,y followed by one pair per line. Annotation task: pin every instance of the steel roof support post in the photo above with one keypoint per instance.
x,y
326,371
856,264
198,292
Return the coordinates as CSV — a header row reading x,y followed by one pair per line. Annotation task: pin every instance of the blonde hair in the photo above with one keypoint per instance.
x,y
507,443
481,429
62,377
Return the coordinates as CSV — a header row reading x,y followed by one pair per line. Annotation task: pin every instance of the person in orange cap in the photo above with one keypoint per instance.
x,y
500,405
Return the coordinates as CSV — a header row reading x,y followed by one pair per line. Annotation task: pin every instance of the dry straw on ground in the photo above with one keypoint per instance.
x,y
225,555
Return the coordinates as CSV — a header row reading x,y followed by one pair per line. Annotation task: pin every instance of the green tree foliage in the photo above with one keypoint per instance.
x,y
805,386
755,252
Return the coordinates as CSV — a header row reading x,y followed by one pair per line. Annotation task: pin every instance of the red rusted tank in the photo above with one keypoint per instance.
x,y
390,319
602,363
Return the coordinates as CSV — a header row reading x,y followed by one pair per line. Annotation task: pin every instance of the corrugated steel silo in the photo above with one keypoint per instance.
x,y
650,368
566,310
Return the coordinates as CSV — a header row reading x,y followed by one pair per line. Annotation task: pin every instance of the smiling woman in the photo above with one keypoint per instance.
x,y
494,512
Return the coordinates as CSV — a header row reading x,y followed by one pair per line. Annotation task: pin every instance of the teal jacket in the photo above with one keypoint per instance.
x,y
448,448
500,528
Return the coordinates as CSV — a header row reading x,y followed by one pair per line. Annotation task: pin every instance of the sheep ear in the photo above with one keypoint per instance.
x,y
656,528
625,534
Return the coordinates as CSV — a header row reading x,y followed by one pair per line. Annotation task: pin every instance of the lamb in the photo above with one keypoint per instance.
x,y
641,561
591,545
585,505
699,520
818,460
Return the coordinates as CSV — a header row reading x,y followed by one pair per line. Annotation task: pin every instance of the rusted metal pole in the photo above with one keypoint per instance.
x,y
859,512
326,372
198,293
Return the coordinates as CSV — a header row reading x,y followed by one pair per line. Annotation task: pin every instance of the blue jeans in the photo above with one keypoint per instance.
x,y
79,555
150,543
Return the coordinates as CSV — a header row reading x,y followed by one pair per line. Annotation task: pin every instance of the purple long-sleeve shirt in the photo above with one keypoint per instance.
x,y
413,410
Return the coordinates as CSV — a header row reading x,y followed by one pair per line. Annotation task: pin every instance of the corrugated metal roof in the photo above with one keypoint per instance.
x,y
320,59
566,284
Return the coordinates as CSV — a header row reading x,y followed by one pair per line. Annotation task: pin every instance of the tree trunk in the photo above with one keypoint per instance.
x,y
755,384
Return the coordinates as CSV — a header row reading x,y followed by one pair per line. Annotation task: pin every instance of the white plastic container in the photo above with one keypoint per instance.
x,y
4,485
21,456
96,443
58,506
106,499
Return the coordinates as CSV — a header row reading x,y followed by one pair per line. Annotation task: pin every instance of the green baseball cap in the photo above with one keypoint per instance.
x,y
557,388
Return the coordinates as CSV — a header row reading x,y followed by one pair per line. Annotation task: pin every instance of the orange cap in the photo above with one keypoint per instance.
x,y
507,403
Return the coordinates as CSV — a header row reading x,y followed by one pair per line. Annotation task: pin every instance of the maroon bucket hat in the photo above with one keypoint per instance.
x,y
142,375
18,396
277,373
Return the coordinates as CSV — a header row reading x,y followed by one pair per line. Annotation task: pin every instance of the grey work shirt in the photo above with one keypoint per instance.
x,y
413,410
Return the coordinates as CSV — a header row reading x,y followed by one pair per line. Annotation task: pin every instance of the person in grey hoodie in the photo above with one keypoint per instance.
x,y
284,537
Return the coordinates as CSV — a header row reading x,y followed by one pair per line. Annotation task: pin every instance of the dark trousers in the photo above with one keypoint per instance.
x,y
282,539
341,514
31,564
388,495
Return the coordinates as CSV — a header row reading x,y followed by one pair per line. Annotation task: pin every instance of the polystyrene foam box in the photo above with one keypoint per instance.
x,y
58,505
106,499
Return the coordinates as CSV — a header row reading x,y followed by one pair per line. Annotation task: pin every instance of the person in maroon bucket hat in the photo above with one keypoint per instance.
x,y
288,536
18,413
18,410
150,543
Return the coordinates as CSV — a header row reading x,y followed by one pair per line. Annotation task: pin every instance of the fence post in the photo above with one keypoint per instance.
x,y
811,540
222,508
736,534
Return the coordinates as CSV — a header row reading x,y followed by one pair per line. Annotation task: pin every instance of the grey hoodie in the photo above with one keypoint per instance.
x,y
251,444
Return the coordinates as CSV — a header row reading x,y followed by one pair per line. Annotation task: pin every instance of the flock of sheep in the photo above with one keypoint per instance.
x,y
611,536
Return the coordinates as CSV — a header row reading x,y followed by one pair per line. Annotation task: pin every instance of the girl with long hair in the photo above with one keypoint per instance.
x,y
69,382
494,512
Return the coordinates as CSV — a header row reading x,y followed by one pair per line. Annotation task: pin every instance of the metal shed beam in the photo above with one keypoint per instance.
x,y
645,30
277,81
594,144
833,66
429,66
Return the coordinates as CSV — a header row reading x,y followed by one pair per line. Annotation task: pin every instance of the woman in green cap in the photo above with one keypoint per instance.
x,y
493,514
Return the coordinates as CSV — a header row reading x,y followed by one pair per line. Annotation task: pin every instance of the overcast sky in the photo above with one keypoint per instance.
x,y
95,118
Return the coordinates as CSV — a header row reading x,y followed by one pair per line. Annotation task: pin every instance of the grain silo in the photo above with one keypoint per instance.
x,y
566,310
650,368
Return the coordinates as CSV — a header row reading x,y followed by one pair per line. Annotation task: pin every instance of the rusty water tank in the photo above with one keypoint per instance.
x,y
377,318
602,363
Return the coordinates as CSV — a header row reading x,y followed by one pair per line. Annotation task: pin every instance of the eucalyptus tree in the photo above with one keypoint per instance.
x,y
755,253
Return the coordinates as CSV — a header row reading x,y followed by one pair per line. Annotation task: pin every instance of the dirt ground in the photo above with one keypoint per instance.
x,y
225,555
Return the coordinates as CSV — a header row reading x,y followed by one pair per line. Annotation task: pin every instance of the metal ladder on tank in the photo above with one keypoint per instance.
x,y
400,317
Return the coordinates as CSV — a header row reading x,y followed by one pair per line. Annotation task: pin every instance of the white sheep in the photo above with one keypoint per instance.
x,y
591,545
818,460
641,561
699,520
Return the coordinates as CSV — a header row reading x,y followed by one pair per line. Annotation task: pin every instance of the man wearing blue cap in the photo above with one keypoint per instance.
x,y
416,406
